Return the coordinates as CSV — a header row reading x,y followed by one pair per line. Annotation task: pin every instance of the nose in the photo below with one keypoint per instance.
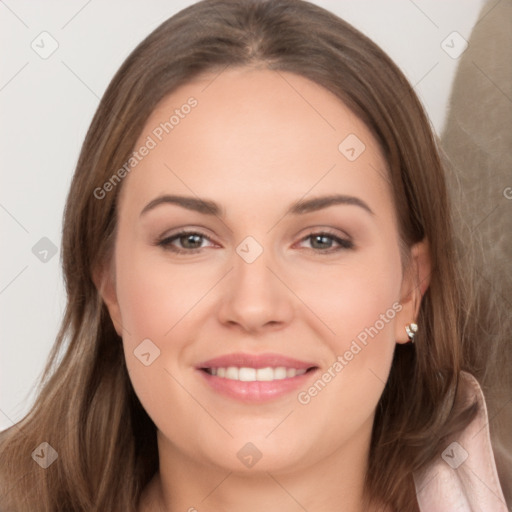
x,y
255,296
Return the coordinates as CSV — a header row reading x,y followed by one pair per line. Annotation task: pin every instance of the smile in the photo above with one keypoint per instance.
x,y
255,378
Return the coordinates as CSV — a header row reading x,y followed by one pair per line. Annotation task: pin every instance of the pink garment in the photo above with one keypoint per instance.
x,y
464,478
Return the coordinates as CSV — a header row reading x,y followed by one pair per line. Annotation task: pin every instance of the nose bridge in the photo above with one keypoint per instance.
x,y
254,296
251,262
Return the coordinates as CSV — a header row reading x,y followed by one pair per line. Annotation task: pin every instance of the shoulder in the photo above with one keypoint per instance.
x,y
464,476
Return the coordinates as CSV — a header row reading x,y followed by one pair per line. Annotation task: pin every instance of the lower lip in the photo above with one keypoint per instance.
x,y
256,391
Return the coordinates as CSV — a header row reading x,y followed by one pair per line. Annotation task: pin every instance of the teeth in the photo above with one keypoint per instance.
x,y
280,372
245,374
291,372
264,374
232,373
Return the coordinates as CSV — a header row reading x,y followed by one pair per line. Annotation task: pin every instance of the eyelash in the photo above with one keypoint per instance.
x,y
165,243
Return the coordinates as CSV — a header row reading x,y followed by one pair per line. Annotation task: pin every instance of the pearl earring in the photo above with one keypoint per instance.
x,y
411,331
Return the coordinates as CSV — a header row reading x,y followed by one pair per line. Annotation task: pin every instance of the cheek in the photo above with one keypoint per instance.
x,y
359,304
154,296
154,299
356,299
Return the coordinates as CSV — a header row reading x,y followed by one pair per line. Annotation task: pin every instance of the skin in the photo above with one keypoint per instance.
x,y
258,141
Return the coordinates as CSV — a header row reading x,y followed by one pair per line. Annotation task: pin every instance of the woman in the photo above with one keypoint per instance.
x,y
307,351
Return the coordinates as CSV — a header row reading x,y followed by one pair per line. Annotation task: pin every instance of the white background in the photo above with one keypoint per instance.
x,y
47,105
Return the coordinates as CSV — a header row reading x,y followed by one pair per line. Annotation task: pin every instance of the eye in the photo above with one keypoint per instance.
x,y
190,242
323,241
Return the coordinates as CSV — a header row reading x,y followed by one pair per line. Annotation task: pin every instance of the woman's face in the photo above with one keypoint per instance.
x,y
274,321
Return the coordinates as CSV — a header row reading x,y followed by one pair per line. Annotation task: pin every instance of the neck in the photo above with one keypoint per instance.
x,y
333,483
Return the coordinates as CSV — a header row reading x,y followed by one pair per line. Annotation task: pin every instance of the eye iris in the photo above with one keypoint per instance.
x,y
326,240
193,238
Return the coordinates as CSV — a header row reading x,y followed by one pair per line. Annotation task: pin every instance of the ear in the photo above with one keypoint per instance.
x,y
105,281
415,282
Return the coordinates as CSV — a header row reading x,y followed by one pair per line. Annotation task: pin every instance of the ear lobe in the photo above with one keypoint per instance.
x,y
104,280
414,285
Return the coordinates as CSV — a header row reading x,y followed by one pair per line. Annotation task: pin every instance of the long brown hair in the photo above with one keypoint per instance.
x,y
87,409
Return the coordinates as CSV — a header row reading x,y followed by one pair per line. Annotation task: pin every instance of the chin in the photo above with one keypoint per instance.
x,y
255,454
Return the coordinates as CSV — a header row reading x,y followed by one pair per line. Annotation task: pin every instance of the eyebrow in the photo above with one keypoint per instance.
x,y
208,207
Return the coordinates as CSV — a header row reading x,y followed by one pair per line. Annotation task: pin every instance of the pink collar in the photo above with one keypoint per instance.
x,y
464,478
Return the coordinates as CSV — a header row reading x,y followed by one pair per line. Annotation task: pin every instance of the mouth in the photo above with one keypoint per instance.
x,y
255,378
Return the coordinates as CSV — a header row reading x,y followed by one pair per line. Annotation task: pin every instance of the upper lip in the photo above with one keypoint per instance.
x,y
242,360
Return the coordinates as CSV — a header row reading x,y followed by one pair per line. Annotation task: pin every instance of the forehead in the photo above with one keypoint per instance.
x,y
245,133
